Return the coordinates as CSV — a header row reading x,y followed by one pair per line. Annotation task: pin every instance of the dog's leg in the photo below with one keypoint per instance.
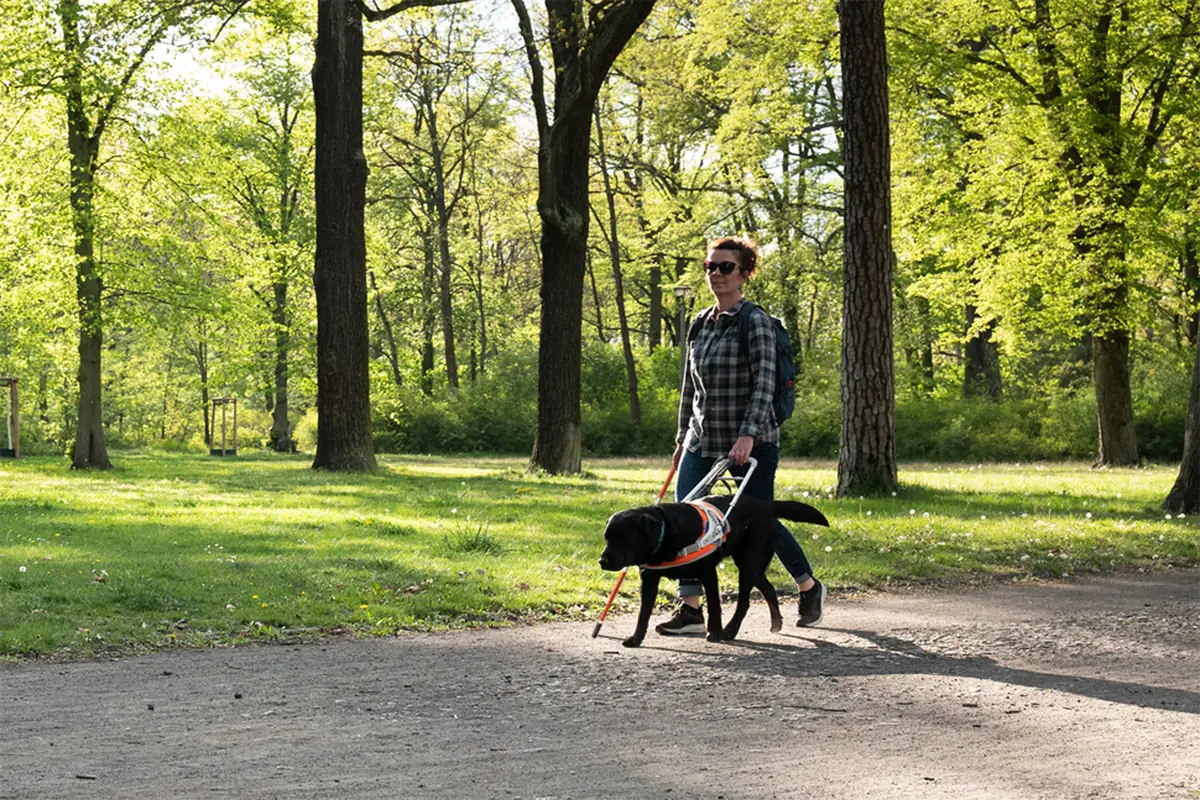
x,y
649,596
745,584
768,592
712,589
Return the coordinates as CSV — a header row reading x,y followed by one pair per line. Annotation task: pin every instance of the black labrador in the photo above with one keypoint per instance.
x,y
654,534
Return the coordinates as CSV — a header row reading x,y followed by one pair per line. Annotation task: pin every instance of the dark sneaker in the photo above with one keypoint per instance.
x,y
687,620
812,604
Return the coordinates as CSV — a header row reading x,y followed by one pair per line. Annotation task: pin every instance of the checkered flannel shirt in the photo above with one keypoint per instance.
x,y
723,395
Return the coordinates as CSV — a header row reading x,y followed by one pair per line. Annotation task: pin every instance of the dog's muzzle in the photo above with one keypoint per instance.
x,y
609,562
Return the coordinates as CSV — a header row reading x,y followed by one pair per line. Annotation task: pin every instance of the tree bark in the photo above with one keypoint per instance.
x,y
556,447
1184,497
340,275
429,314
981,371
867,451
1114,400
280,436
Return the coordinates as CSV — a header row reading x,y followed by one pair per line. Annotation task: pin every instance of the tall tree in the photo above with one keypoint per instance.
x,y
97,73
867,452
340,275
585,39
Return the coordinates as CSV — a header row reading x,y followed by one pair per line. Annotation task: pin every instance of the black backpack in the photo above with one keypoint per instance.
x,y
783,401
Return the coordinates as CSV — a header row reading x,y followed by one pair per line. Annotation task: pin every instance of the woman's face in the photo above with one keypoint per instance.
x,y
718,283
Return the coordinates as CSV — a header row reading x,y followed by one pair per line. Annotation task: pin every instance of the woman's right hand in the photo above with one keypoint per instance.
x,y
675,459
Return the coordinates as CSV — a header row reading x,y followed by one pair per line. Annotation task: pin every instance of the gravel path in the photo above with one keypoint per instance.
x,y
1088,689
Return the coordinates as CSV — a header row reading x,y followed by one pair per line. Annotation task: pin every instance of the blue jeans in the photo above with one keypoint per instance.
x,y
693,467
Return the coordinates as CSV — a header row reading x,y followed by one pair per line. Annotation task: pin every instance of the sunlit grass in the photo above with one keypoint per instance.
x,y
181,549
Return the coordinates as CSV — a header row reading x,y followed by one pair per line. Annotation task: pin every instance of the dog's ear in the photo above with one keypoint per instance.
x,y
650,521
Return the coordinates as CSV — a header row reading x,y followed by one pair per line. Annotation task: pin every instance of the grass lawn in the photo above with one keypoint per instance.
x,y
182,549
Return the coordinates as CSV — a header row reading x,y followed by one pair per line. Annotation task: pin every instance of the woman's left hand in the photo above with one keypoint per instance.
x,y
741,450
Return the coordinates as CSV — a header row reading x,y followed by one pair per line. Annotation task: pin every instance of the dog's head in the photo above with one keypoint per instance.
x,y
630,537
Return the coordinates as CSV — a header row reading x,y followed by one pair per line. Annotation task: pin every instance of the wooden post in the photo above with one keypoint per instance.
x,y
235,427
224,411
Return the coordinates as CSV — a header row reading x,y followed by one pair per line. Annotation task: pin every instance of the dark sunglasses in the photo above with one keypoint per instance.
x,y
725,267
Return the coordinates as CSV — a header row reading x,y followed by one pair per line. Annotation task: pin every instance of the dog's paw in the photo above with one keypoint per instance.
x,y
729,634
776,624
632,641
716,636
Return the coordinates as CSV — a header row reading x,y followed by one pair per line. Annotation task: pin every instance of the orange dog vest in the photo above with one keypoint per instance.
x,y
714,528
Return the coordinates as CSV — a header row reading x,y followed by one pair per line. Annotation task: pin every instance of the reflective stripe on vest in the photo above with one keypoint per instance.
x,y
714,529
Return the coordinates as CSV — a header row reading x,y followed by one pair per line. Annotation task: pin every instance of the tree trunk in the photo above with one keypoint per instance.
x,y
614,250
654,328
281,429
583,54
1184,497
981,371
429,317
1191,287
389,336
556,446
1114,400
340,275
90,450
443,241
591,275
867,452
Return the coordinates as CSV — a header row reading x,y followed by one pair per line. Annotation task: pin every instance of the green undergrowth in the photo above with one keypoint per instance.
x,y
182,550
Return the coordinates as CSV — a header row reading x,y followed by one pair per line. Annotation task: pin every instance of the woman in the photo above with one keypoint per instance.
x,y
725,411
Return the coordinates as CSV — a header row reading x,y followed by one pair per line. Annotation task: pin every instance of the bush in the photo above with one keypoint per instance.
x,y
498,414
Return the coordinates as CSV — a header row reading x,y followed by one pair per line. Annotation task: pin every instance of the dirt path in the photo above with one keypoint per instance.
x,y
1071,690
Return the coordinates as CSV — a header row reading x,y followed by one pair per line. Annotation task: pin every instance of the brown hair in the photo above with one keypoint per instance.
x,y
743,246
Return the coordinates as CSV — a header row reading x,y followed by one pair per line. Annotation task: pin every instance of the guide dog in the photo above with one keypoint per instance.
x,y
652,535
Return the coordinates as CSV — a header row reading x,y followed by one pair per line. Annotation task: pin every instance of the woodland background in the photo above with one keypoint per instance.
x,y
720,117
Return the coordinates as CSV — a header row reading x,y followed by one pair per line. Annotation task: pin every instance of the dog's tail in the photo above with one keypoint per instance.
x,y
799,512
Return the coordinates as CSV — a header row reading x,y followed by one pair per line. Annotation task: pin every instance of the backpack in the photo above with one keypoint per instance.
x,y
783,401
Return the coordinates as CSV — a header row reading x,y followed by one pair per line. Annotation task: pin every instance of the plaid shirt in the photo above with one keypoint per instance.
x,y
727,394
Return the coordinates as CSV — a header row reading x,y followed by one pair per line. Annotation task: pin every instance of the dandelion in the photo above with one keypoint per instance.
x,y
1024,556
1168,516
816,536
454,511
868,513
828,549
912,511
22,569
925,514
893,494
363,606
1180,516
983,516
230,606
264,605
253,597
